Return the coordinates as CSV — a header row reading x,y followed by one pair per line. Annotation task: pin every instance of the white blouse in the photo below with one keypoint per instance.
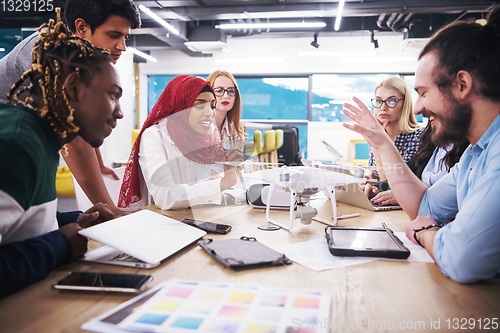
x,y
172,180
228,131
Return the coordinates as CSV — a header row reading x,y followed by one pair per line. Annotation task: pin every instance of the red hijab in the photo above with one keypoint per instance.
x,y
179,94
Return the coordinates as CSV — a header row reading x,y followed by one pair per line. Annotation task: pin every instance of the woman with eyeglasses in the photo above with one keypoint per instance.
x,y
393,109
228,106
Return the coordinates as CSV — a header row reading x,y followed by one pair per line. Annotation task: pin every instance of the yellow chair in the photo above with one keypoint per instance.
x,y
265,149
259,149
64,183
277,144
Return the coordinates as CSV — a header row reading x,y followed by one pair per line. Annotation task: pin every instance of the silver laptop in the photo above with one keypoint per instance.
x,y
352,194
141,239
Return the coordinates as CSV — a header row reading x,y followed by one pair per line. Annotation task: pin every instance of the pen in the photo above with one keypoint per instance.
x,y
247,156
347,216
323,221
341,217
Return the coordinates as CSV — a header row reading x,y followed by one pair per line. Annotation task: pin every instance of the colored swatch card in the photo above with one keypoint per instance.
x,y
191,306
108,321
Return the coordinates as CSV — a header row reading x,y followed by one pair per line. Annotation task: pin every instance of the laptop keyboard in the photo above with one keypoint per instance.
x,y
124,257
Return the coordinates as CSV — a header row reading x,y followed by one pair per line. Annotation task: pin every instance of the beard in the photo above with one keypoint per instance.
x,y
454,124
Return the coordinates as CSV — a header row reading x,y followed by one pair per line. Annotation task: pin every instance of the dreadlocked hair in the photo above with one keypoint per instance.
x,y
56,55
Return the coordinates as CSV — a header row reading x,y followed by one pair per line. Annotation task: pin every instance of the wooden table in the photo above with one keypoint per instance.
x,y
374,297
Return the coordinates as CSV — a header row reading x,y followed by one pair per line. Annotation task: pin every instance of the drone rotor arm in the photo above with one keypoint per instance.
x,y
331,191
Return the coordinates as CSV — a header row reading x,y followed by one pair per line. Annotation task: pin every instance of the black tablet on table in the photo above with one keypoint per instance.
x,y
365,242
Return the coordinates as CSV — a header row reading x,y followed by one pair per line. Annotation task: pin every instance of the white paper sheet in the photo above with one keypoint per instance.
x,y
316,256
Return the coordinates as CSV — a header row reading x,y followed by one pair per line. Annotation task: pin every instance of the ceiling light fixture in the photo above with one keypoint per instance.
x,y
2,49
249,60
159,20
336,53
315,41
369,60
270,25
339,15
141,54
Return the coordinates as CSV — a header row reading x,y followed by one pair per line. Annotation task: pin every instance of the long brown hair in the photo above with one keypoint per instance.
x,y
427,147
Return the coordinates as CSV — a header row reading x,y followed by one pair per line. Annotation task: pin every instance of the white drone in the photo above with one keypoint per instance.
x,y
302,182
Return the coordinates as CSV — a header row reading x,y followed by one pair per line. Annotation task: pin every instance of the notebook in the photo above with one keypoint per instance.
x,y
352,194
141,239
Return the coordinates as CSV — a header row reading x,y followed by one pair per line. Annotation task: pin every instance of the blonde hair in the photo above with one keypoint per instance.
x,y
407,122
234,114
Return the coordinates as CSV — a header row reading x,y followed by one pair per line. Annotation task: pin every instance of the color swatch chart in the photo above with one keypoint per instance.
x,y
190,306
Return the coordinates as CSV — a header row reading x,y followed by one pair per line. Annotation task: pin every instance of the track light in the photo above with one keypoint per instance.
x,y
339,15
141,54
374,41
315,41
159,19
271,25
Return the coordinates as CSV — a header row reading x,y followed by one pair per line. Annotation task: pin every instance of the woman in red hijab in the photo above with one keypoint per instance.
x,y
172,159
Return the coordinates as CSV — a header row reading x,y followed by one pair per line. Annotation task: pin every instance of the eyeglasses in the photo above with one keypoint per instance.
x,y
390,102
219,91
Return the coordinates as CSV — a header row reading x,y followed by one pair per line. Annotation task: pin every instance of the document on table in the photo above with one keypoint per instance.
x,y
316,256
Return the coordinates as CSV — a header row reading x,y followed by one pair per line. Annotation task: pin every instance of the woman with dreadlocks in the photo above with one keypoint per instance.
x,y
74,92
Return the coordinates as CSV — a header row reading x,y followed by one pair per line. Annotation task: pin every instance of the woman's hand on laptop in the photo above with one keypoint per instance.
x,y
97,214
384,198
370,190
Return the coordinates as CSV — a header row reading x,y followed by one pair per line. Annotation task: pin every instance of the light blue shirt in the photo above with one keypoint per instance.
x,y
435,168
468,249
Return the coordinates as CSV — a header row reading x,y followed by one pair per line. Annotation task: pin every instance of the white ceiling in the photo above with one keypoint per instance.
x,y
416,18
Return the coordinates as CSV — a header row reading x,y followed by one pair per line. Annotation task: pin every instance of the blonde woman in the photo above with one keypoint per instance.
x,y
394,110
228,106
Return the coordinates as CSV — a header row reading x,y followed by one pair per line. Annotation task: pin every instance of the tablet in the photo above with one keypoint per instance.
x,y
365,242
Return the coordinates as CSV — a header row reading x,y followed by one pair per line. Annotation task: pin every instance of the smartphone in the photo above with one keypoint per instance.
x,y
125,283
214,228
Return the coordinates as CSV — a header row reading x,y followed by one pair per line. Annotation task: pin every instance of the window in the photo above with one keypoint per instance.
x,y
284,100
274,98
276,101
156,85
330,91
410,81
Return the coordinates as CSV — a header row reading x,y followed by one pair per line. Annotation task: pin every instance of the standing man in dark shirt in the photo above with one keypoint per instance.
x,y
106,24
